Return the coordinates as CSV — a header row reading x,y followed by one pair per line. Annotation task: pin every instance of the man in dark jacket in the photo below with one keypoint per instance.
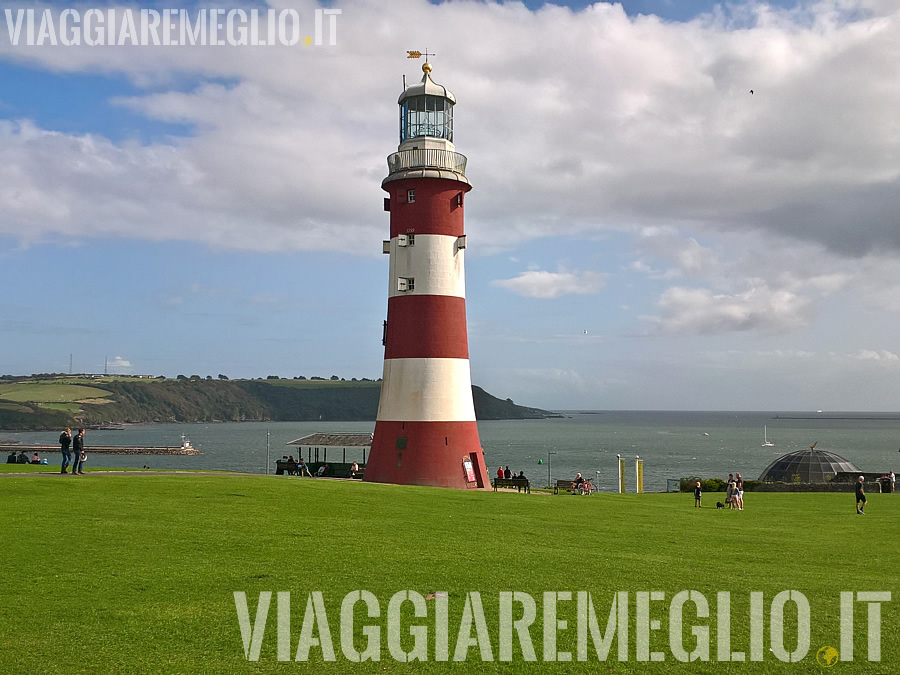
x,y
860,496
65,440
78,453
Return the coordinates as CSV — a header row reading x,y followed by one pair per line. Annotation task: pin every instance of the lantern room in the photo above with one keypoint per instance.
x,y
426,111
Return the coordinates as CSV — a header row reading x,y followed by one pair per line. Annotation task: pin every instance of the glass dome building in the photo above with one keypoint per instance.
x,y
811,465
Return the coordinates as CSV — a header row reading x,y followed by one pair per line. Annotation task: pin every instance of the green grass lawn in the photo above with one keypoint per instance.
x,y
53,468
50,392
137,573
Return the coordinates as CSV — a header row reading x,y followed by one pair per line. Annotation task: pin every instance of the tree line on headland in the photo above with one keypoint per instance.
x,y
54,401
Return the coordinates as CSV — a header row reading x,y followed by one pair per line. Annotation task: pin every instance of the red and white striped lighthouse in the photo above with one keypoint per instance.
x,y
425,431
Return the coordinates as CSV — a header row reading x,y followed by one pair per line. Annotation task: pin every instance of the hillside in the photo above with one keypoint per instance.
x,y
52,402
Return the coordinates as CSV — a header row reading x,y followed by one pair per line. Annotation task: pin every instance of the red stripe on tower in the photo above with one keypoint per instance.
x,y
425,431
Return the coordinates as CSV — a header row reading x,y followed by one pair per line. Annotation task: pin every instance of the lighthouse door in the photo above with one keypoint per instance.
x,y
469,472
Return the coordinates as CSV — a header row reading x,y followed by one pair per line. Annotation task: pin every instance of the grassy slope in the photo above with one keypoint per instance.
x,y
49,392
51,404
143,568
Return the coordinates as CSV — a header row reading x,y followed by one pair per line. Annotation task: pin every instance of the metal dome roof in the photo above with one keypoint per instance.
x,y
427,87
813,466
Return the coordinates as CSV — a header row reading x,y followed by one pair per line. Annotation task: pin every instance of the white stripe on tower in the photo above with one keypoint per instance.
x,y
426,390
434,261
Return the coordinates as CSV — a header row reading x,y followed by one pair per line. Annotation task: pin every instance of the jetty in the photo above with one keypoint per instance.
x,y
113,449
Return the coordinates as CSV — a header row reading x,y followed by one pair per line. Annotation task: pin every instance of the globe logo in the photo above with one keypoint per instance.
x,y
306,41
827,656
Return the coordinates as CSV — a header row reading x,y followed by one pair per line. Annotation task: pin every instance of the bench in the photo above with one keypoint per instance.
x,y
289,468
334,470
566,484
562,485
518,483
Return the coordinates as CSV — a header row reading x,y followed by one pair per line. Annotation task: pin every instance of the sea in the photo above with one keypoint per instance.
x,y
671,444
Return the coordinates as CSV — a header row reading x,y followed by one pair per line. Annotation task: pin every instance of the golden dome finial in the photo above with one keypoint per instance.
x,y
426,67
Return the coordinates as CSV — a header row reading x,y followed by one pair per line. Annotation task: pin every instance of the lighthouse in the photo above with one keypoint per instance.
x,y
425,430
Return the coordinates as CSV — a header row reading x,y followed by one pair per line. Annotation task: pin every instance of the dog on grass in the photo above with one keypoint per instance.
x,y
720,505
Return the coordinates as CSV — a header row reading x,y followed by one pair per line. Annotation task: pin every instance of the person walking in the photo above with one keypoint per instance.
x,y
65,440
860,496
698,494
78,452
738,492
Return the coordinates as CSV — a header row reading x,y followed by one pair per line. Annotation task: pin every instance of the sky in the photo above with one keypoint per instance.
x,y
643,232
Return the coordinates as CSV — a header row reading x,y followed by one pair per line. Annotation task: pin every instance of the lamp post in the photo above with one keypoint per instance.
x,y
267,452
550,468
597,483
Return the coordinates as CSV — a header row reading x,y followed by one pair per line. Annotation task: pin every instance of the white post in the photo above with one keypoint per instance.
x,y
620,475
267,452
637,473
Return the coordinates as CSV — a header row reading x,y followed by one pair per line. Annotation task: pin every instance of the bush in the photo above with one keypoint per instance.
x,y
687,484
706,484
713,485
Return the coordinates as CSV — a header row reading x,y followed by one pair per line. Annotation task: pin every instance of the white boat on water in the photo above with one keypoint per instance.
x,y
185,443
766,442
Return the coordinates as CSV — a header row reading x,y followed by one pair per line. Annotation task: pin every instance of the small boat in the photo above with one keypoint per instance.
x,y
766,442
185,443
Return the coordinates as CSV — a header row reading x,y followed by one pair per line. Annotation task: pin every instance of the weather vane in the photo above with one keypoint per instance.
x,y
415,54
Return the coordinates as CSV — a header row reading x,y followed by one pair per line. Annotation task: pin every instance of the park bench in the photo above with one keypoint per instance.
x,y
518,483
566,484
335,470
289,468
562,485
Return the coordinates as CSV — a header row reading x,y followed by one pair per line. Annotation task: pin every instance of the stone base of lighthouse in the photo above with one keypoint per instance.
x,y
438,454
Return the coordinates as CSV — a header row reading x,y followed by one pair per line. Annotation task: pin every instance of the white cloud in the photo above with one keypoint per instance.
x,y
117,362
654,126
686,255
873,355
700,311
543,284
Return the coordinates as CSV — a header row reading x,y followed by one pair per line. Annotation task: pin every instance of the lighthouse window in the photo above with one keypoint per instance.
x,y
426,116
410,196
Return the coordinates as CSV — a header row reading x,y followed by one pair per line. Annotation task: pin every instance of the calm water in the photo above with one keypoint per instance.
x,y
672,444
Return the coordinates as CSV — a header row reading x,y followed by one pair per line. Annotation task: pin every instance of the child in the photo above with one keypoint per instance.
x,y
697,494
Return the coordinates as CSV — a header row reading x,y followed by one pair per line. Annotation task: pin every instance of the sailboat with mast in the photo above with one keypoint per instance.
x,y
766,442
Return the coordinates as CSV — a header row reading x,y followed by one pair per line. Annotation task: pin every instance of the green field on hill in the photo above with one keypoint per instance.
x,y
138,573
52,392
54,402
